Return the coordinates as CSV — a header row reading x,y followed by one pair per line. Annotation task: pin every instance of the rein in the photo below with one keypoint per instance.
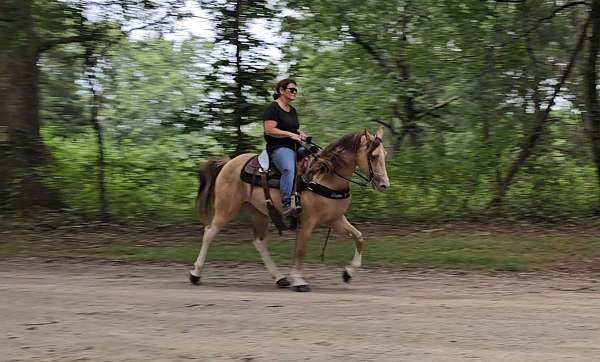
x,y
361,184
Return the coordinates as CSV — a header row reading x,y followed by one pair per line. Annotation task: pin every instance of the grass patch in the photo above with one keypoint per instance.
x,y
495,252
14,249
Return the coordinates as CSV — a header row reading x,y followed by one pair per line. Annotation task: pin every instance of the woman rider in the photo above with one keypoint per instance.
x,y
281,133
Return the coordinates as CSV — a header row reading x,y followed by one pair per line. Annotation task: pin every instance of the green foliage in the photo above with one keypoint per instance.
x,y
164,106
558,184
153,84
370,62
156,180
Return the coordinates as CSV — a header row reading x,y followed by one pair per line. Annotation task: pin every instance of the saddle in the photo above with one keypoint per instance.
x,y
258,172
255,167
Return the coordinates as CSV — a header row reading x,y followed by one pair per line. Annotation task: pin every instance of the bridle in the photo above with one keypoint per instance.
x,y
375,143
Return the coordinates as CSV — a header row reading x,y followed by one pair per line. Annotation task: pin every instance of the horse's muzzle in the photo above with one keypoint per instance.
x,y
381,184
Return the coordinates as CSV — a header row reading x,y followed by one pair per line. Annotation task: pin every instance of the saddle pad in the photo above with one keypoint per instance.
x,y
263,160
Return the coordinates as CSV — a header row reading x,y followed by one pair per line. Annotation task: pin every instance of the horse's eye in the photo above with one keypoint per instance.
x,y
375,157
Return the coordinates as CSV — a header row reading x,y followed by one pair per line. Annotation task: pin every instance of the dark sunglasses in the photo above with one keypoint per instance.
x,y
293,90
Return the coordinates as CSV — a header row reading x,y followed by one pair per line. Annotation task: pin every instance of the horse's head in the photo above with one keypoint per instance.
x,y
371,159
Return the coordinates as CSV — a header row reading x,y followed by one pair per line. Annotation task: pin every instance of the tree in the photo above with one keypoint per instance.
x,y
22,152
401,41
29,29
241,72
541,117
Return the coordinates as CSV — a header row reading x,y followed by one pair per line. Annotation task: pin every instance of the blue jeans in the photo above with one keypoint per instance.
x,y
285,160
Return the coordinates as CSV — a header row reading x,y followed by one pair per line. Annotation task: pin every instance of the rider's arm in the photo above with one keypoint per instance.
x,y
272,130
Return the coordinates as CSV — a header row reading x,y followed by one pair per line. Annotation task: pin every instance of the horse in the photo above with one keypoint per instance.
x,y
222,195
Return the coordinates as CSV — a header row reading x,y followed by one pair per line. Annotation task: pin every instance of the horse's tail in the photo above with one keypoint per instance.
x,y
207,177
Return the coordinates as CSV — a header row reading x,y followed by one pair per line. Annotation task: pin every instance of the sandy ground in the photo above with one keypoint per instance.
x,y
63,310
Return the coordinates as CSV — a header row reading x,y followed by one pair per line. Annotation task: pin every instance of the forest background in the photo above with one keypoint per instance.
x,y
109,107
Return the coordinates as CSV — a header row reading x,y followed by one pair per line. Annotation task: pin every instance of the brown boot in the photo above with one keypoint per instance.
x,y
289,212
290,215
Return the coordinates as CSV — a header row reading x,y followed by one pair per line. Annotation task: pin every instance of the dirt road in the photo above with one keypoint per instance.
x,y
64,310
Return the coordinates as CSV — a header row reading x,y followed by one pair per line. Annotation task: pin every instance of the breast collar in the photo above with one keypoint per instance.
x,y
325,191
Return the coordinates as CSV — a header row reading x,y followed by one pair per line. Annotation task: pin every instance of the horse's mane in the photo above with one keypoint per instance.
x,y
332,156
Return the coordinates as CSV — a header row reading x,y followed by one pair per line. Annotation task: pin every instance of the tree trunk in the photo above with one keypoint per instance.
x,y
409,121
591,94
22,153
95,105
240,139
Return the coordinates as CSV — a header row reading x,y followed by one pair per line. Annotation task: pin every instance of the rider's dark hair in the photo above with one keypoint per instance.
x,y
282,84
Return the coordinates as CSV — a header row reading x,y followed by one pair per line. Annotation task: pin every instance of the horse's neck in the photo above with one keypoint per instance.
x,y
333,179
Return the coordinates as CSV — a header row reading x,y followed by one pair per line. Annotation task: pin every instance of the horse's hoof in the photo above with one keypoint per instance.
x,y
194,279
302,288
346,276
283,283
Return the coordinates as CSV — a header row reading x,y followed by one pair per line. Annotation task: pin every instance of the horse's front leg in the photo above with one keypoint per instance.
x,y
304,233
343,226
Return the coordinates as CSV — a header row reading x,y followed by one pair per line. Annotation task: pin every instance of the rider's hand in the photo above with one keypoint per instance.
x,y
302,135
296,137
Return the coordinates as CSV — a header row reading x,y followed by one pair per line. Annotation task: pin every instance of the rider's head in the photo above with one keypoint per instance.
x,y
287,89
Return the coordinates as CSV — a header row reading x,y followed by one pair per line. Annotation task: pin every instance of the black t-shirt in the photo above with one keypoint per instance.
x,y
286,121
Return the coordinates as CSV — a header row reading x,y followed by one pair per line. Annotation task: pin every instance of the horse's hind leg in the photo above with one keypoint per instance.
x,y
261,227
343,226
210,232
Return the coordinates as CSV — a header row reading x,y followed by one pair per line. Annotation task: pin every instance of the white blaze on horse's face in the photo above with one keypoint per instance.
x,y
377,171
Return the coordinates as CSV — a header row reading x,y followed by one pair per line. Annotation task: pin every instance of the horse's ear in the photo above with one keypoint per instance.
x,y
365,138
379,132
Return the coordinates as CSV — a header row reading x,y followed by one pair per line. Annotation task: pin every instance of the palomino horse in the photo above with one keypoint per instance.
x,y
222,195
